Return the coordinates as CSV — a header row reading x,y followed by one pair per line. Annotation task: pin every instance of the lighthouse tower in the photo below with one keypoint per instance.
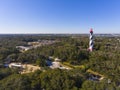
x,y
91,40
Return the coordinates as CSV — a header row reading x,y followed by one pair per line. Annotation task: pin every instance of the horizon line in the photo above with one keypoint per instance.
x,y
58,33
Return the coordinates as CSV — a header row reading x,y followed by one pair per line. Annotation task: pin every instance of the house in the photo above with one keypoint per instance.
x,y
15,65
55,65
57,59
94,76
23,48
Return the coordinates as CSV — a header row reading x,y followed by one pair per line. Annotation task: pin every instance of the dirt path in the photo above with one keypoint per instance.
x,y
28,68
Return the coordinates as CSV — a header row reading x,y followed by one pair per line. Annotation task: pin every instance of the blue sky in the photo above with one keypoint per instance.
x,y
59,16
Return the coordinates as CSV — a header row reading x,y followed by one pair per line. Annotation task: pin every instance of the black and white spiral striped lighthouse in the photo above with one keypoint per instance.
x,y
91,40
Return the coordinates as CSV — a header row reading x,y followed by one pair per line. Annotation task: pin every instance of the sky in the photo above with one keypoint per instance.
x,y
59,16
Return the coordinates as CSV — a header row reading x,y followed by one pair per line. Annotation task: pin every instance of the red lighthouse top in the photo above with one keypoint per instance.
x,y
91,30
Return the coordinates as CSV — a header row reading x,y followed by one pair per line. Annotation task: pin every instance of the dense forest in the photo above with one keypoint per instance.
x,y
105,59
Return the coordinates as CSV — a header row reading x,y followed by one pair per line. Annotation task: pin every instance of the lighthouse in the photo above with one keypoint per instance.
x,y
91,40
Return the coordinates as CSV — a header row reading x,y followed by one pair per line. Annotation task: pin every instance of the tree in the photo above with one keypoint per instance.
x,y
41,61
